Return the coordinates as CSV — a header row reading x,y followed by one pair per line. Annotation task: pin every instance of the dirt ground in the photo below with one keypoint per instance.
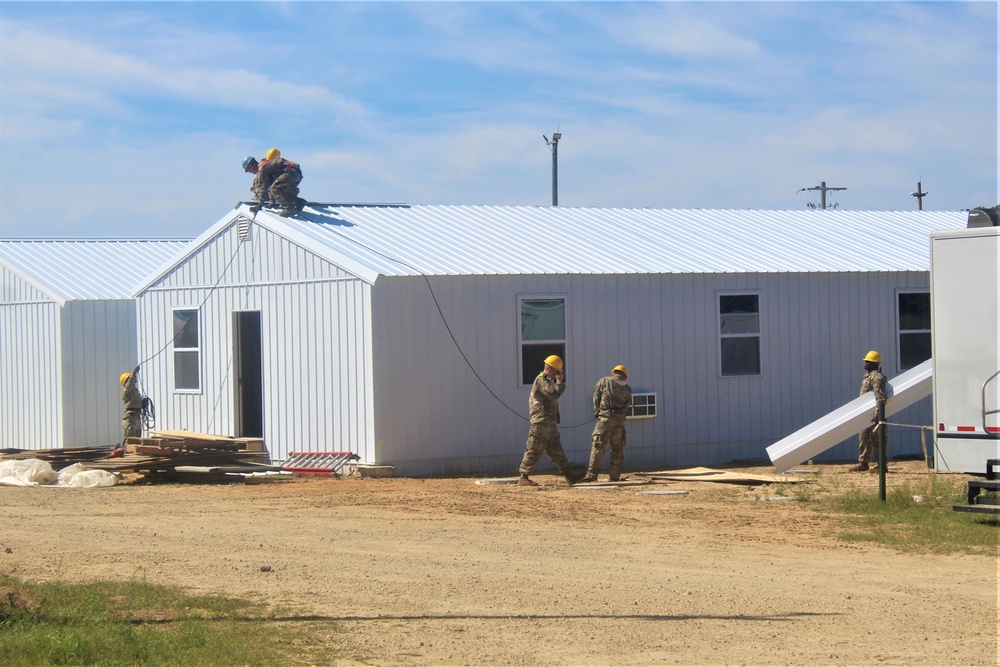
x,y
450,572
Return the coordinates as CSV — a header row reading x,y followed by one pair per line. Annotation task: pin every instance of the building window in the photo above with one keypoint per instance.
x,y
914,326
739,334
543,332
186,350
643,406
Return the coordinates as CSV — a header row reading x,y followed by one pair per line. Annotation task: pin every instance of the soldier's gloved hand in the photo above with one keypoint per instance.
x,y
255,208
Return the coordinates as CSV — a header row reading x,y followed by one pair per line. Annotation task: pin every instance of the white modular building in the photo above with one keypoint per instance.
x,y
410,335
67,331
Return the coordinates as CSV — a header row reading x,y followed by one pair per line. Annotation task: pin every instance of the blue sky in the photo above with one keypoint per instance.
x,y
130,119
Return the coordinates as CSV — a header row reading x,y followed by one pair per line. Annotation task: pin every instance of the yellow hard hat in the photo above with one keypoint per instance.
x,y
620,369
554,361
124,377
272,153
873,356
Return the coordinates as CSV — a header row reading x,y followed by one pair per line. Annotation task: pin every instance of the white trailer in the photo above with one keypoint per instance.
x,y
965,298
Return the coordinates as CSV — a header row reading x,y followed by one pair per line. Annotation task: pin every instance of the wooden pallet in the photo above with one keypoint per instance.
x,y
164,452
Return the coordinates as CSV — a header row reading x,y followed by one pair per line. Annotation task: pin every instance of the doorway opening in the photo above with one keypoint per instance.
x,y
247,348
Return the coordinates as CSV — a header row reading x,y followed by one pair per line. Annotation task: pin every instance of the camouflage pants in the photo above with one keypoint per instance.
x,y
132,425
868,445
608,430
544,438
285,189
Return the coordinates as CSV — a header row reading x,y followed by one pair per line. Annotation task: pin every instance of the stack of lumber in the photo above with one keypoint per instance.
x,y
176,454
58,458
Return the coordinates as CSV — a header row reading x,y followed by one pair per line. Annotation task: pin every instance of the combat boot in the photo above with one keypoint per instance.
x,y
588,478
571,477
524,481
861,467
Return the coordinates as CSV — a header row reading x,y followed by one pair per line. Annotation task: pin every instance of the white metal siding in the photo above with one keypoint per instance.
x,y
30,400
315,343
99,344
434,416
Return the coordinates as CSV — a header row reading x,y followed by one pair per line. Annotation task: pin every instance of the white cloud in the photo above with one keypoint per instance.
x,y
90,75
670,28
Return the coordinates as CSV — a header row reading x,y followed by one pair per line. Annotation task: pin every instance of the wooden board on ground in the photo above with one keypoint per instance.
x,y
711,475
610,484
59,458
191,435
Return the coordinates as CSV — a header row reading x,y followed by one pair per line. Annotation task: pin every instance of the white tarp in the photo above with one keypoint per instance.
x,y
35,472
815,438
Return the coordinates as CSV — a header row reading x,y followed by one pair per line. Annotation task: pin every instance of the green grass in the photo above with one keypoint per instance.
x,y
928,526
135,623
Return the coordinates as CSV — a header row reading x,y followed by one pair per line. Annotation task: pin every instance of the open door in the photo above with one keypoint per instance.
x,y
249,375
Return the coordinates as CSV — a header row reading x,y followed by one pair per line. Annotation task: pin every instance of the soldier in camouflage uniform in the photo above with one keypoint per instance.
x,y
612,398
543,435
276,181
132,417
873,382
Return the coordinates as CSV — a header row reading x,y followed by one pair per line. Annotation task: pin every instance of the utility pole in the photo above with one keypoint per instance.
x,y
919,194
556,136
823,189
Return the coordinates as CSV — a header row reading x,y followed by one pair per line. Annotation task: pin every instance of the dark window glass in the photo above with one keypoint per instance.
x,y
914,349
738,313
741,356
739,329
533,359
914,311
185,329
914,329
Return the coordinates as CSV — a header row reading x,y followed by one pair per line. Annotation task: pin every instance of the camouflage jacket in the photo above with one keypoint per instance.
x,y
612,397
874,381
131,396
267,172
543,403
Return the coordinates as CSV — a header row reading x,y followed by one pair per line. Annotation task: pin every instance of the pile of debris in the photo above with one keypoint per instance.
x,y
186,456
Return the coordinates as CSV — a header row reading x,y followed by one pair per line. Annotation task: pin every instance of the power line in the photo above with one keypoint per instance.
x,y
823,189
919,194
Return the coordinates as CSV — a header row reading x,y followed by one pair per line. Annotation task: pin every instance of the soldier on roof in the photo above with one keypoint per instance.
x,y
276,182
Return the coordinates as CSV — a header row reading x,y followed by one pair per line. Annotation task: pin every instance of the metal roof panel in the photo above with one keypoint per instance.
x,y
482,240
86,269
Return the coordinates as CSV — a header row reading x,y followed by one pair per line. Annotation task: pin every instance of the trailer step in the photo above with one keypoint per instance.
x,y
976,486
983,509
